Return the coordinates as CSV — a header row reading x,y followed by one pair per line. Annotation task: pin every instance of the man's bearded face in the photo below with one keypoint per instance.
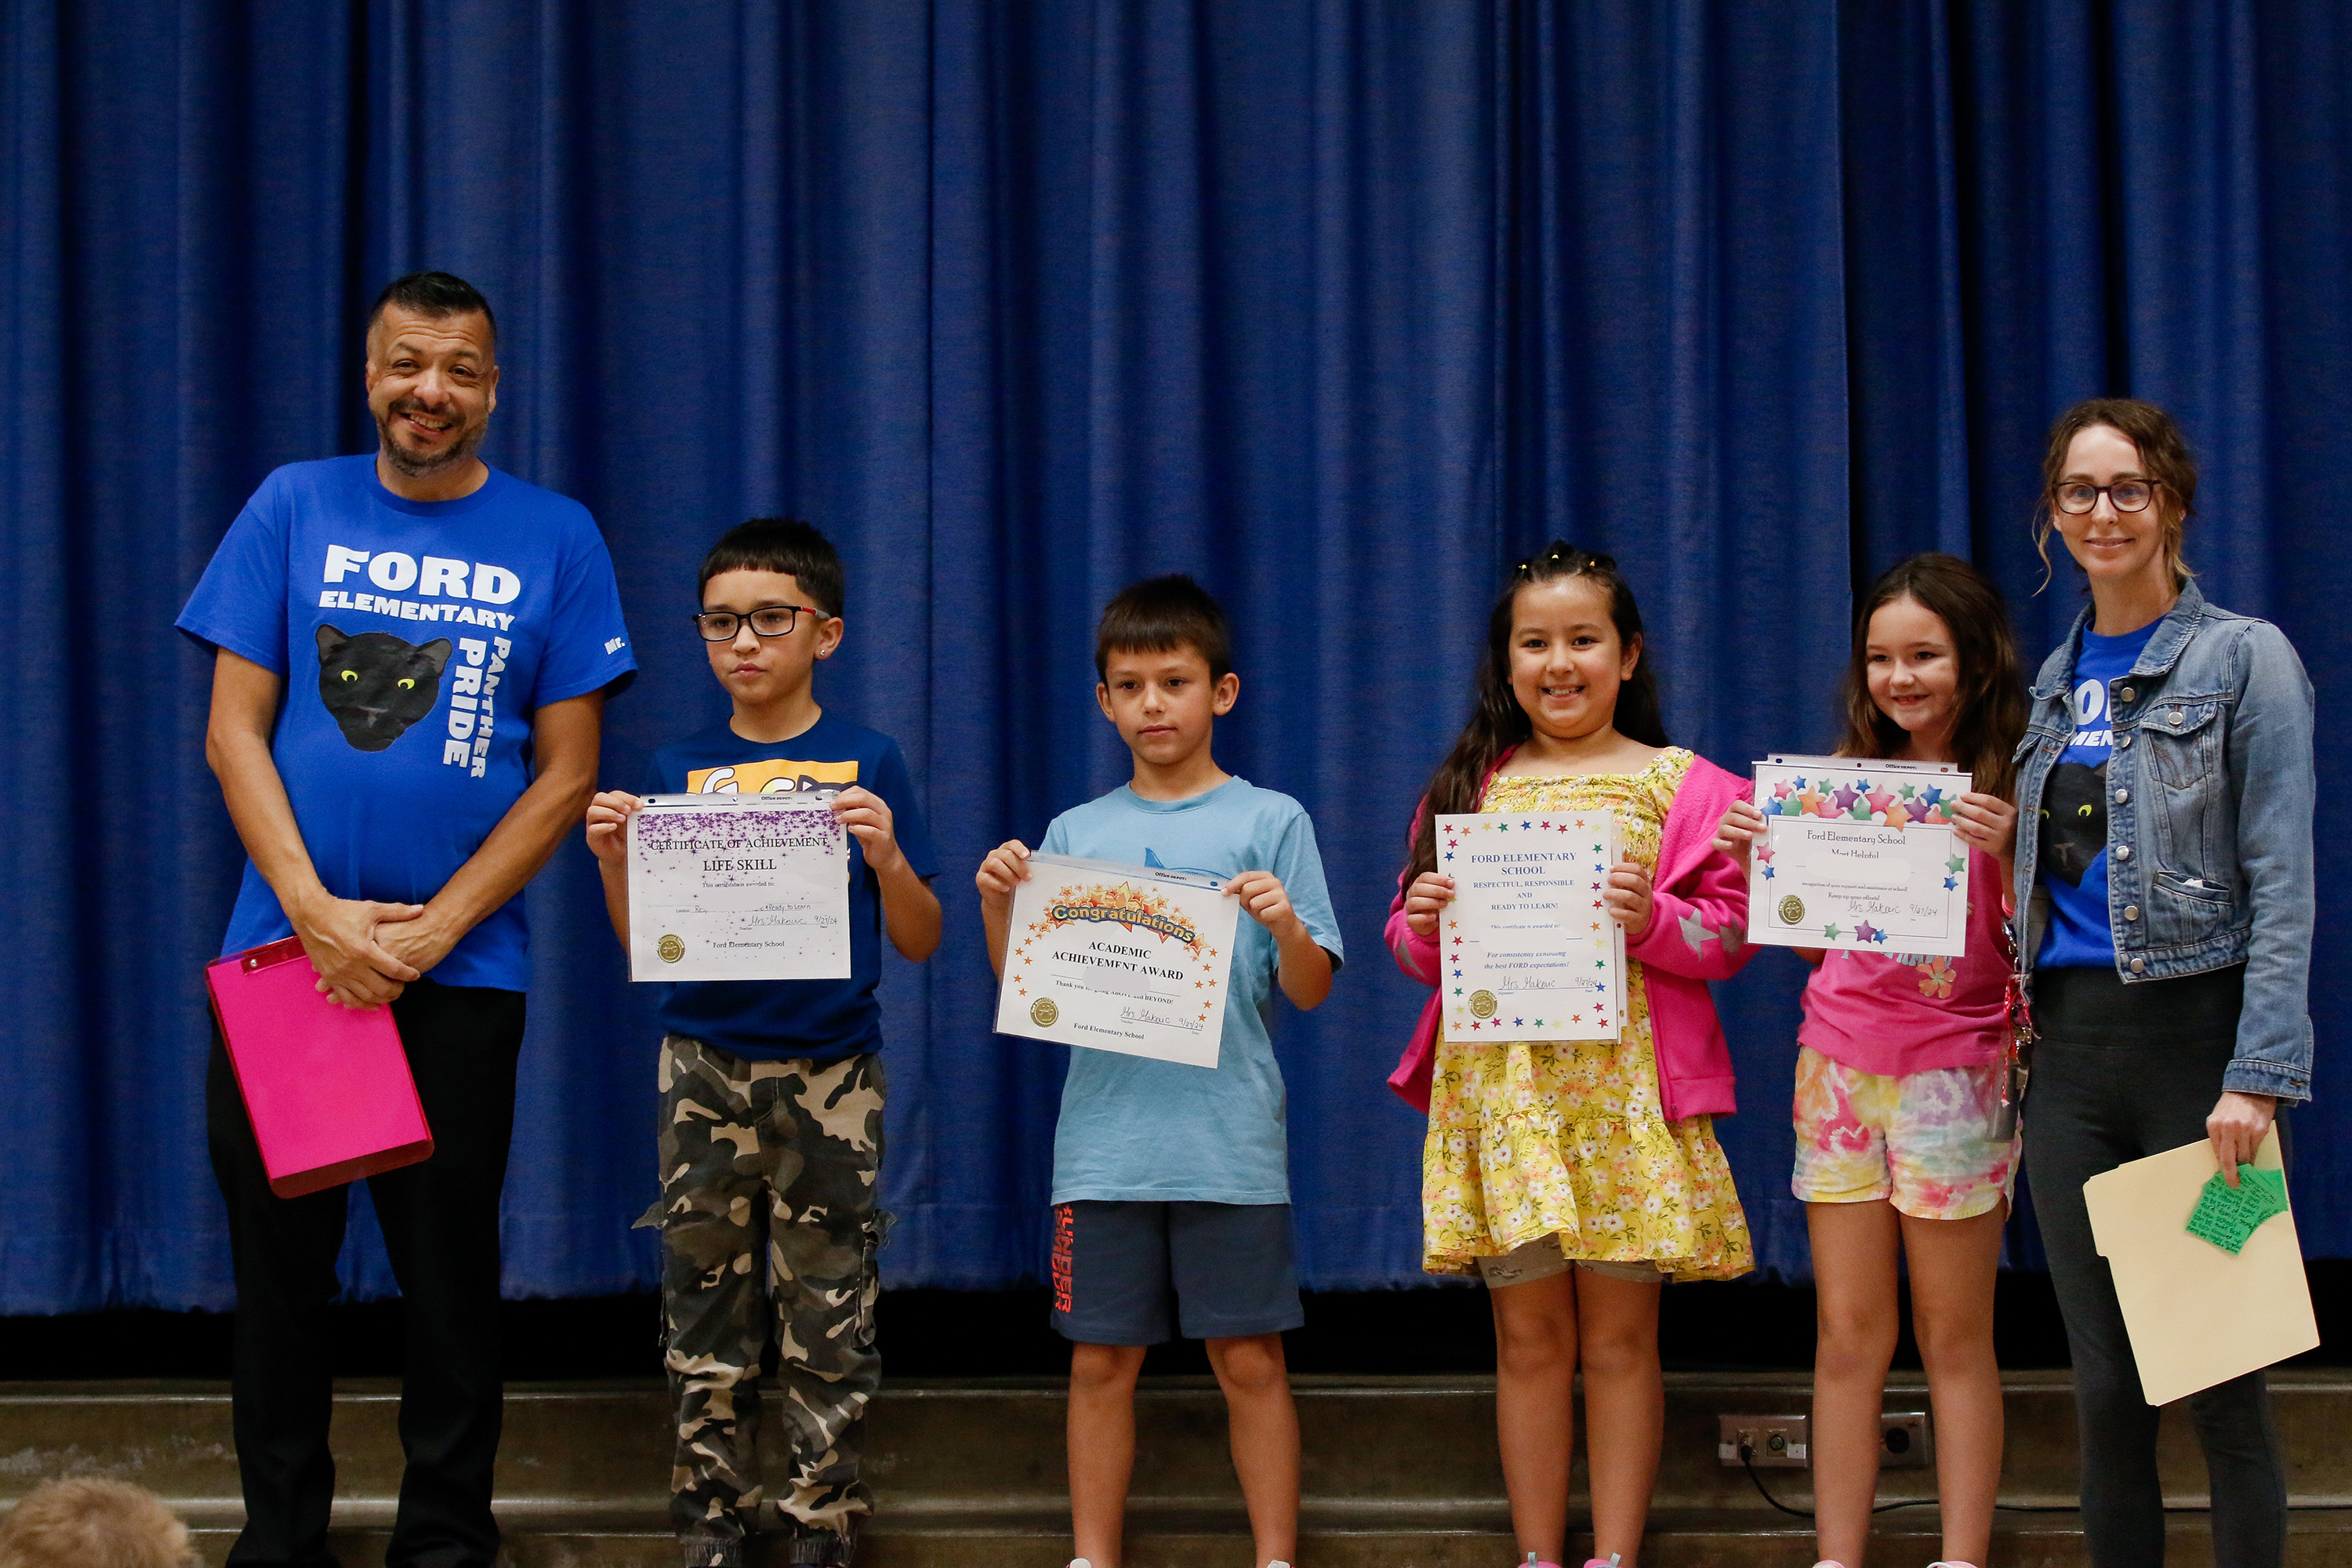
x,y
432,382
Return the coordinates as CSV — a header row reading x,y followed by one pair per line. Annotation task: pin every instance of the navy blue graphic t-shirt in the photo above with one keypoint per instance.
x,y
775,1020
2074,827
416,639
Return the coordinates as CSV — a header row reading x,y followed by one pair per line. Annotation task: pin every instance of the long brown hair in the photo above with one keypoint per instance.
x,y
1498,722
1990,694
2163,454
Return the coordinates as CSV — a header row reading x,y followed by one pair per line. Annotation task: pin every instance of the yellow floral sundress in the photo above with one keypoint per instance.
x,y
1532,1139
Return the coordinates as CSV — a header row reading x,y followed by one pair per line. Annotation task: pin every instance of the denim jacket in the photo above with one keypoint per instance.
x,y
2210,791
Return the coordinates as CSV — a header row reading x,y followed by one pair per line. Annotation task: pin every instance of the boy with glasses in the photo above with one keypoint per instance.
x,y
772,1090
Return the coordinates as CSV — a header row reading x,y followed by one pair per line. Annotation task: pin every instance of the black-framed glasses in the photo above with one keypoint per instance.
x,y
2076,498
767,621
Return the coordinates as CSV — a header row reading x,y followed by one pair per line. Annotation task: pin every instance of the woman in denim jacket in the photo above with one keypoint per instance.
x,y
2168,772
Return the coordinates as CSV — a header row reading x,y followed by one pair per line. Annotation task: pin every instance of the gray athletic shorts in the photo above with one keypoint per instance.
x,y
1132,1273
1543,1258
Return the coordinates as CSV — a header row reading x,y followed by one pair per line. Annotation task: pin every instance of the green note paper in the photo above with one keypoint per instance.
x,y
2228,1216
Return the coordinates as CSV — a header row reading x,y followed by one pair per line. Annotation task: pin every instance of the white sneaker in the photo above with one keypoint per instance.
x,y
1080,1563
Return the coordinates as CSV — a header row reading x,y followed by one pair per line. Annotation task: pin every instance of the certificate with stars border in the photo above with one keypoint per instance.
x,y
1859,855
1529,952
1119,958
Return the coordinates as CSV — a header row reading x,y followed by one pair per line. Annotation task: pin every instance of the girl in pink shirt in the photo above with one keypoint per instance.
x,y
1899,1074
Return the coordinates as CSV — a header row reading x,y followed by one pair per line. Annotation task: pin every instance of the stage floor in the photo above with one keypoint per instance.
x,y
1398,1472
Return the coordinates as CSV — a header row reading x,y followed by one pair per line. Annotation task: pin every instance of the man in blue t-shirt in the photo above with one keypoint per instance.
x,y
1172,1183
411,652
771,1141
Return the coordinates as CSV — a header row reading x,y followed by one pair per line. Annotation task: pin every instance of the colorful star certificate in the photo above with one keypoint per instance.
x,y
737,887
1529,952
1119,958
1859,855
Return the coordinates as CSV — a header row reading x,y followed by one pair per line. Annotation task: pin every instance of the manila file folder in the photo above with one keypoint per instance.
x,y
2196,1315
328,1088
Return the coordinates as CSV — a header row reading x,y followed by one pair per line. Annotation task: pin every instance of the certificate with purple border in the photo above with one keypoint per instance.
x,y
737,887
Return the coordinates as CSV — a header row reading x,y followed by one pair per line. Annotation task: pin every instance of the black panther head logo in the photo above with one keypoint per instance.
x,y
2074,820
376,686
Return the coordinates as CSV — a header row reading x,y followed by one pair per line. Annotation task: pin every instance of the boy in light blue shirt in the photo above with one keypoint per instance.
x,y
1170,1183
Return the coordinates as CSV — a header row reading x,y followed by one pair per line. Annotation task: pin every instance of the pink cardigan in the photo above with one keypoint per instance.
x,y
1697,932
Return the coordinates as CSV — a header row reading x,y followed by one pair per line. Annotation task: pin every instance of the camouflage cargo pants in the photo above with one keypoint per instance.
x,y
773,1158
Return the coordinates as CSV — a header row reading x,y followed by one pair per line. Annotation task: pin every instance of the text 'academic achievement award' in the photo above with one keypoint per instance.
x,y
1529,951
1859,855
1119,958
737,887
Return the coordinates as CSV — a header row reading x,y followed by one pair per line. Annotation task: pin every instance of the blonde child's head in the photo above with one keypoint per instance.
x,y
88,1522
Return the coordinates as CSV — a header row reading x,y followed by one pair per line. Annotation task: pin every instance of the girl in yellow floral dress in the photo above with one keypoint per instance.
x,y
1576,1176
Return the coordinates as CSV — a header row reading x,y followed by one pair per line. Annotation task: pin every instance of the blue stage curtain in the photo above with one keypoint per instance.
x,y
1339,305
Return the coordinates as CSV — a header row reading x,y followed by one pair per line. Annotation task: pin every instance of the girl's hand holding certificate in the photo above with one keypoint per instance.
x,y
1628,897
1531,923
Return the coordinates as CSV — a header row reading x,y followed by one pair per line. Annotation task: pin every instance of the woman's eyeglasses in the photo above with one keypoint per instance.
x,y
2076,497
767,621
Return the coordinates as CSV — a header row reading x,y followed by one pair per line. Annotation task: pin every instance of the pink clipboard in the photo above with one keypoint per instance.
x,y
326,1088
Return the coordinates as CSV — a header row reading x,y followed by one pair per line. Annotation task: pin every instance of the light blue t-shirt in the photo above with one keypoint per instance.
x,y
2074,825
1137,1129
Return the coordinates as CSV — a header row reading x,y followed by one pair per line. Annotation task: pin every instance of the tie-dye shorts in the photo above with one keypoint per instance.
x,y
1921,1140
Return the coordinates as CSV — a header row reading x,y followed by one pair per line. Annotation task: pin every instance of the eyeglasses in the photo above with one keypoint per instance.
x,y
2126,495
767,621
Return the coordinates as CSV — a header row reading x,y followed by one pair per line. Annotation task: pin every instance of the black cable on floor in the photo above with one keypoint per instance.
x,y
1747,1463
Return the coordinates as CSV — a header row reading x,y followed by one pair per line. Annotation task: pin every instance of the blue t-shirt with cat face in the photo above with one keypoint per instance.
x,y
2074,825
416,639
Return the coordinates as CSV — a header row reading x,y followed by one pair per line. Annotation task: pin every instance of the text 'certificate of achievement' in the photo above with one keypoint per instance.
x,y
1119,958
1859,855
737,887
1531,952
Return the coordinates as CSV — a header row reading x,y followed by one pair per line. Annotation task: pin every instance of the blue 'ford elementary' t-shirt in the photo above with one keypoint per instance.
x,y
416,639
2074,825
776,1020
1133,1129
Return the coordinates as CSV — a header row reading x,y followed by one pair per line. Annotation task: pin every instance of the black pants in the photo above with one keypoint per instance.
x,y
440,1221
2122,1072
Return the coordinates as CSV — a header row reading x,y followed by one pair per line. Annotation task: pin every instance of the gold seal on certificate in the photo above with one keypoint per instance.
x,y
1859,855
737,887
1529,952
1119,958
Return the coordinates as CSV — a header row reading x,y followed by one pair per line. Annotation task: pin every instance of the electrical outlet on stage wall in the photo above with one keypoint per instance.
x,y
1906,1440
1772,1441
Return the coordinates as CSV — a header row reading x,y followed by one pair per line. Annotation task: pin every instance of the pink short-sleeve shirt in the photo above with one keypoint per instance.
x,y
1898,1012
